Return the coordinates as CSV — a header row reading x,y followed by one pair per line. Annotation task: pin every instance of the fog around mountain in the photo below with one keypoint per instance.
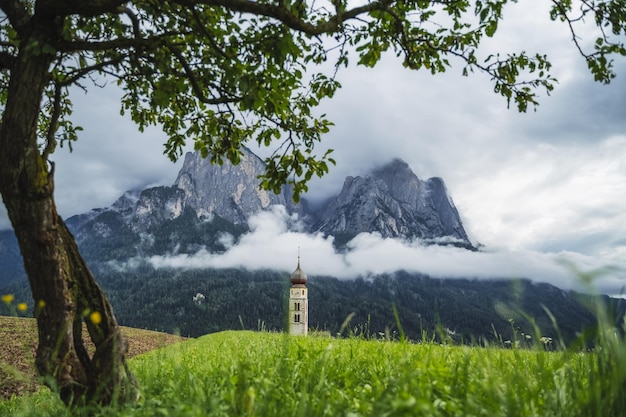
x,y
271,245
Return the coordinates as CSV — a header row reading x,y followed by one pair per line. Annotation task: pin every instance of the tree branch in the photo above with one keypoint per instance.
x,y
51,141
79,7
17,13
191,77
115,44
133,18
286,16
73,77
209,36
570,23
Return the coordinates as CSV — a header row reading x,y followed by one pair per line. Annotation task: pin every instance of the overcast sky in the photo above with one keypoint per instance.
x,y
533,188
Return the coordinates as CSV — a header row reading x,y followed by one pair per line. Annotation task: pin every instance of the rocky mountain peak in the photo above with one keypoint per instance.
x,y
394,202
231,191
399,180
395,170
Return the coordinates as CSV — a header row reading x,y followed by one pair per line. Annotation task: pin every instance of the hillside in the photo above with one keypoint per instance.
x,y
19,342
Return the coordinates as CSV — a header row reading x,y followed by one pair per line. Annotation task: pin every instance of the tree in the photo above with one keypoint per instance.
x,y
219,73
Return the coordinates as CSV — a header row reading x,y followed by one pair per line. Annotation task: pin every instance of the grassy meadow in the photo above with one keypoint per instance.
x,y
245,373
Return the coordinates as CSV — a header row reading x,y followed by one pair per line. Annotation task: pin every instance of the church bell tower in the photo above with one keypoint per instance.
x,y
298,303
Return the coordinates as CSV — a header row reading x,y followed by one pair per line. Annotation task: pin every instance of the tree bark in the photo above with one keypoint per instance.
x,y
65,291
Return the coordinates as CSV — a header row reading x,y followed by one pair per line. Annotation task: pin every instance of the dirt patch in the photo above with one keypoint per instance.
x,y
18,342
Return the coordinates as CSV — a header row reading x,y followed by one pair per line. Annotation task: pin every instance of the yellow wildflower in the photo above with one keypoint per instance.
x,y
41,304
22,306
8,298
95,317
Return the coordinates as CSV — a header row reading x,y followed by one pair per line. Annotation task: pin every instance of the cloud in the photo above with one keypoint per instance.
x,y
271,245
551,198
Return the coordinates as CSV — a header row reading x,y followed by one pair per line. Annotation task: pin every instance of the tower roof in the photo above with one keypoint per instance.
x,y
298,277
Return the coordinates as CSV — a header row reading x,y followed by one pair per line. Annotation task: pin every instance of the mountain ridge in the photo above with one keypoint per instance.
x,y
390,200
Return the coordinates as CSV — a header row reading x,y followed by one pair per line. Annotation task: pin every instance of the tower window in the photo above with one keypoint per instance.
x,y
297,306
296,318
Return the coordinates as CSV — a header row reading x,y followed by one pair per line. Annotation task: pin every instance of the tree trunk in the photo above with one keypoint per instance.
x,y
64,290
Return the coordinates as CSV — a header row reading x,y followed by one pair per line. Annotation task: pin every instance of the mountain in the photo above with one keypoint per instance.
x,y
206,209
208,202
11,266
207,190
394,202
229,191
205,203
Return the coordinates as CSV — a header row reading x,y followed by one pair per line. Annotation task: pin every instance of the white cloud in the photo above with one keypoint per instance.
x,y
270,245
552,198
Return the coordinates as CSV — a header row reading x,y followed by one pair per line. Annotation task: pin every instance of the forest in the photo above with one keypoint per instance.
x,y
382,306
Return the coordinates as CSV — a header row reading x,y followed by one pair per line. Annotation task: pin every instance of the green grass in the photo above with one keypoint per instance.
x,y
242,373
